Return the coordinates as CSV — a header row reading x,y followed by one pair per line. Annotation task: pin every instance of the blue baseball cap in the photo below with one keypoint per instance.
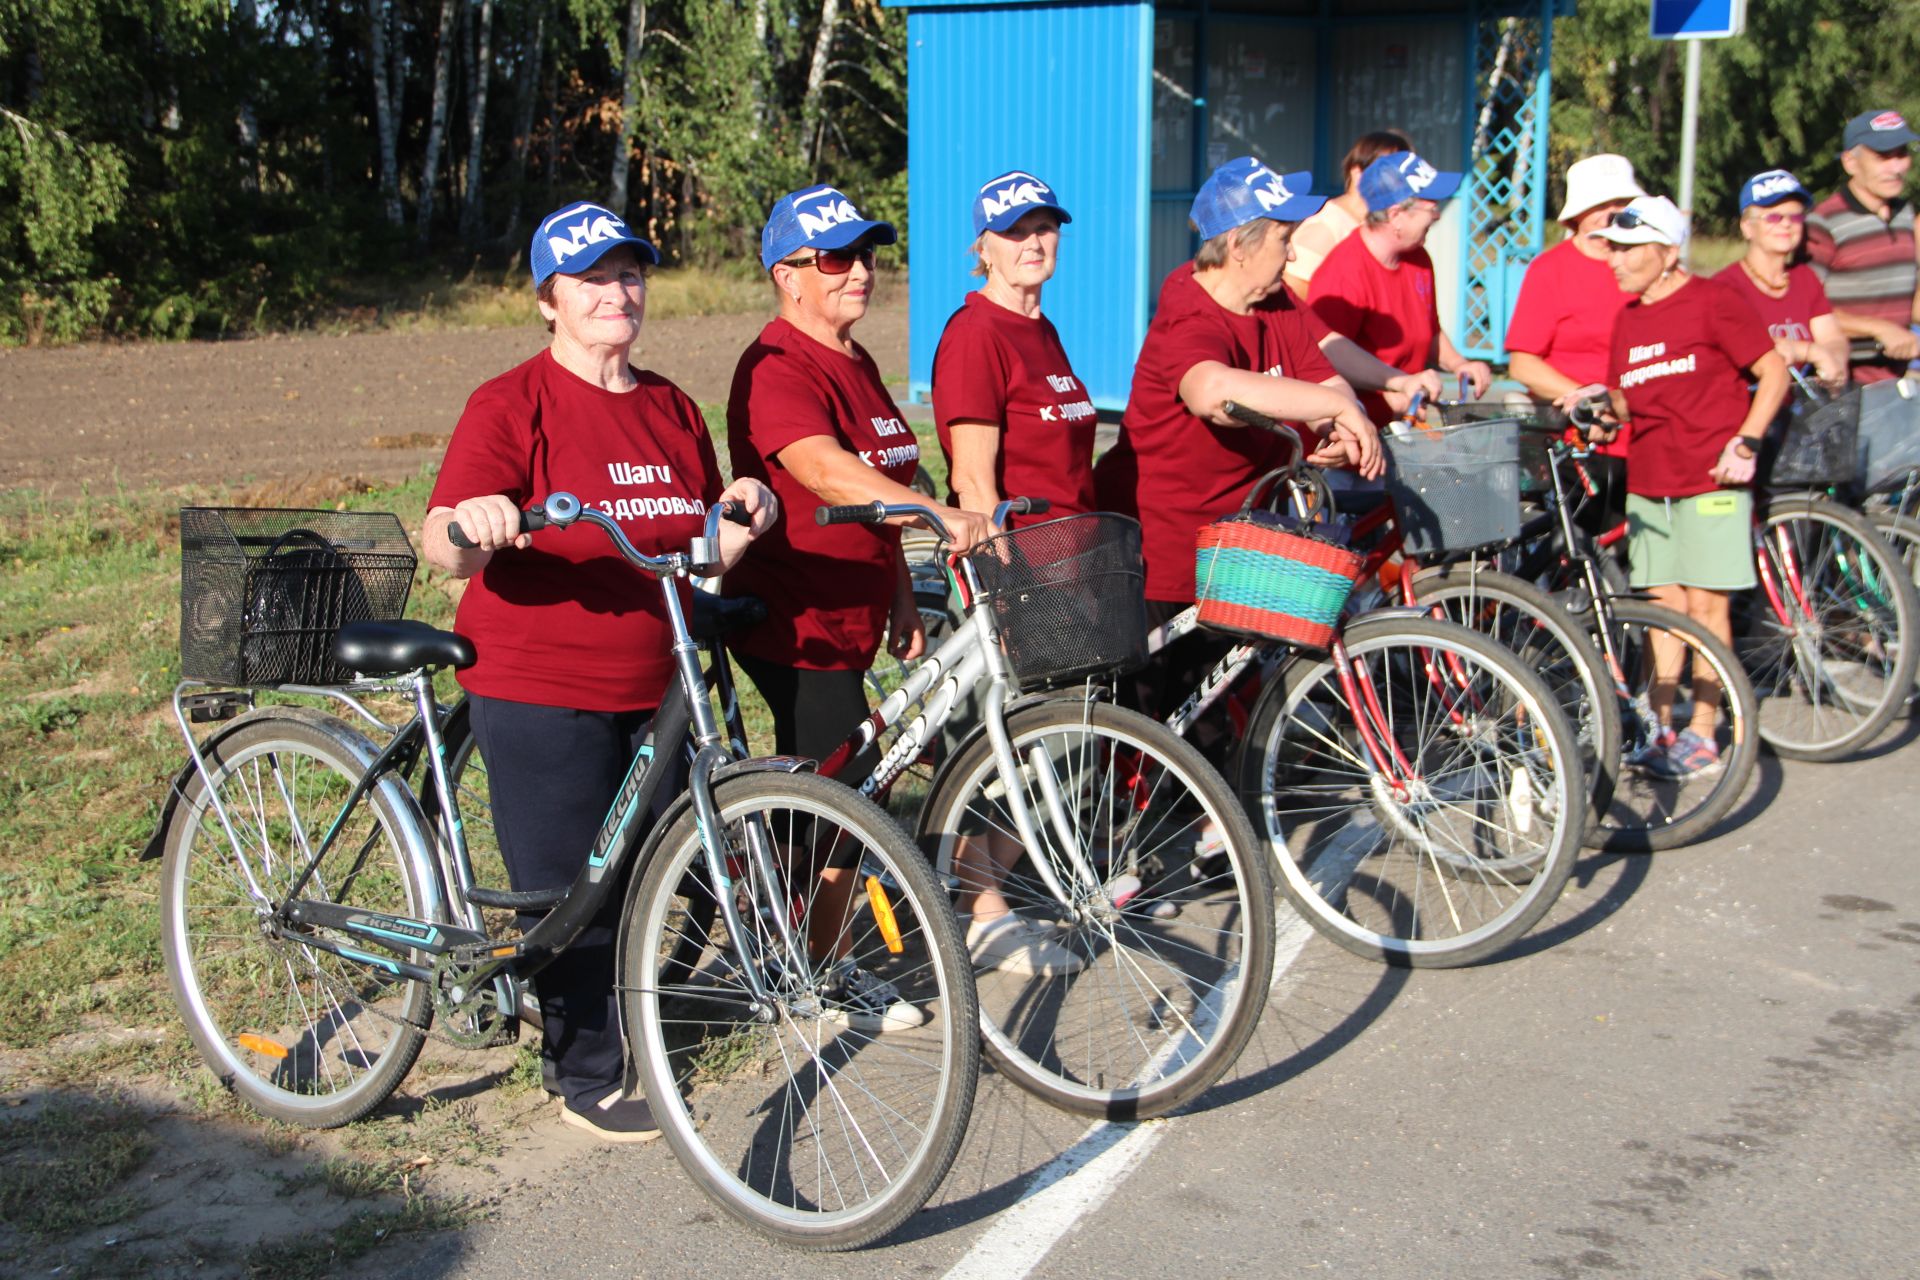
x,y
573,238
1401,175
1770,188
816,218
1244,189
1880,130
1011,197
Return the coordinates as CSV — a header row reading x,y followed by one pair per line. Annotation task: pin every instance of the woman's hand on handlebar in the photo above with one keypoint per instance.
x,y
1351,442
760,504
489,523
965,529
1399,391
1479,376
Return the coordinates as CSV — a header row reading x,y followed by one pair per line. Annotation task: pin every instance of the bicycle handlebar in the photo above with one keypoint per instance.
x,y
875,512
562,509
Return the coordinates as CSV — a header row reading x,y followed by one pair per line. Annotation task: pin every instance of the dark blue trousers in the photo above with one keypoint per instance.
x,y
554,773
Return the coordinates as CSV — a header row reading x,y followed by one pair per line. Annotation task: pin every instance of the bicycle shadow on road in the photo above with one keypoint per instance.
x,y
1321,999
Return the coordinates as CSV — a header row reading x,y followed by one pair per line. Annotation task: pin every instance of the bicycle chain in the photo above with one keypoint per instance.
x,y
506,1033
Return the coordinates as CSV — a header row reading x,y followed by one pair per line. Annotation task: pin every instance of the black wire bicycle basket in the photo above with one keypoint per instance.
x,y
1815,442
263,590
1536,461
1068,597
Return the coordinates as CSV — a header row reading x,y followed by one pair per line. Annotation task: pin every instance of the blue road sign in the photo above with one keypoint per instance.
x,y
1698,19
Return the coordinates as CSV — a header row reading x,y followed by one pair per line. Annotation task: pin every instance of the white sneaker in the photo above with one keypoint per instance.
x,y
1014,944
867,1003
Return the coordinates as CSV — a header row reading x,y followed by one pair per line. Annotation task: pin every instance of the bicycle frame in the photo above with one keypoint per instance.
x,y
686,713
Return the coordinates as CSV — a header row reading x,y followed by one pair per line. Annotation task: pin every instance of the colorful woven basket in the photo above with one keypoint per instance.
x,y
1255,579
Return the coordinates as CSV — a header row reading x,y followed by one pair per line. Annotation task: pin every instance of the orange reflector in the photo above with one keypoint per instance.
x,y
501,951
261,1045
883,915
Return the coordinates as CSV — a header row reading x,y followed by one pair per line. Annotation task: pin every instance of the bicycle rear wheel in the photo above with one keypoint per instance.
x,y
1902,535
1170,940
1466,841
1549,641
299,1034
797,1113
1833,672
1651,812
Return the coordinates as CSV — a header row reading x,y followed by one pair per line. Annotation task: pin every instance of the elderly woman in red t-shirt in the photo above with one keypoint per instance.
x,y
1013,419
1228,329
1786,295
573,648
810,415
1682,352
1561,332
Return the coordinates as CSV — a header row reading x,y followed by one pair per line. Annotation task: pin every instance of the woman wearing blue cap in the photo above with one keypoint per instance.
x,y
574,651
1014,422
1785,294
1228,329
1013,419
810,415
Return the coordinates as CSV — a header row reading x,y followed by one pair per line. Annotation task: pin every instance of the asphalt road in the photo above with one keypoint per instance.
x,y
1702,1065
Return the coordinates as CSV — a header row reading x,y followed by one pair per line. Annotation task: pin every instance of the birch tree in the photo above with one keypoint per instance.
x,y
386,111
437,121
471,214
629,105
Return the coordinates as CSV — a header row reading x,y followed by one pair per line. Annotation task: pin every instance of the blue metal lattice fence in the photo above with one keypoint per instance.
x,y
1506,187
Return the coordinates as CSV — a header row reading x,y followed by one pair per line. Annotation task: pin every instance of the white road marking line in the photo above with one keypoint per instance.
x,y
1078,1181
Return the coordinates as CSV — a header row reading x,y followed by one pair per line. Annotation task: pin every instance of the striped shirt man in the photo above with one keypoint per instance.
x,y
1861,242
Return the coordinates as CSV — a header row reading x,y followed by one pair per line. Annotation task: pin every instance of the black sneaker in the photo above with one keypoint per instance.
x,y
614,1119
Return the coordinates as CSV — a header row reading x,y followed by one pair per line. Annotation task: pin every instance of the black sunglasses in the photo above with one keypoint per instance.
x,y
833,262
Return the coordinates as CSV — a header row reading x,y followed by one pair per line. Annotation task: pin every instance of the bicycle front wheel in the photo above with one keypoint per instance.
x,y
1538,628
1156,932
805,1030
1651,811
298,1033
1828,636
1902,534
1426,803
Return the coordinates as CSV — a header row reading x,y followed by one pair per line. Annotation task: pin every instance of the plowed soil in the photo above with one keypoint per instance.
x,y
373,407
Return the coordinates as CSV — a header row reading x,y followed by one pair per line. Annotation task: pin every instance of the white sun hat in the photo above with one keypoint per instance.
x,y
1595,181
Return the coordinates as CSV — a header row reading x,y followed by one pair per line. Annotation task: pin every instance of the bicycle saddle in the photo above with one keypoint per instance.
x,y
715,616
388,648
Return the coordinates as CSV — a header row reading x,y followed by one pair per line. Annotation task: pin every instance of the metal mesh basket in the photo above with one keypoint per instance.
x,y
1889,434
1456,489
1535,459
1068,597
263,590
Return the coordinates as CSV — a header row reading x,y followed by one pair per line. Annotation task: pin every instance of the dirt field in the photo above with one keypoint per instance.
x,y
374,406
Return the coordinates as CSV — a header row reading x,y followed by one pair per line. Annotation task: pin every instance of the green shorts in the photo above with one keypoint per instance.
x,y
1704,541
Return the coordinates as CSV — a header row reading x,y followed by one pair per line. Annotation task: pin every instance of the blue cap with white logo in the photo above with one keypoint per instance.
x,y
1011,197
816,218
1244,189
1770,188
1399,176
573,238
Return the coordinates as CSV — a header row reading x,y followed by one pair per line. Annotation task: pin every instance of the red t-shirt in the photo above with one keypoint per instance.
x,y
1177,472
567,622
1390,312
828,589
1565,313
995,365
1790,316
1680,362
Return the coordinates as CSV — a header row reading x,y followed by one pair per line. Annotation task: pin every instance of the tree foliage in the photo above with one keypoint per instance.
x,y
1776,96
174,167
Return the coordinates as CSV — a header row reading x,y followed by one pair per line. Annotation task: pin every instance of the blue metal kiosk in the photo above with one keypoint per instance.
x,y
1125,106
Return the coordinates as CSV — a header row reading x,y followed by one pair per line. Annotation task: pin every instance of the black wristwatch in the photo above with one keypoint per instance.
x,y
1744,446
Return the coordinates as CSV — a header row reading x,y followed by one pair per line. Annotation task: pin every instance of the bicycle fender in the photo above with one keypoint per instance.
x,y
177,785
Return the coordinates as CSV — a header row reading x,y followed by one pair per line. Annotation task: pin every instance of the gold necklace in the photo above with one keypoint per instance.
x,y
1774,287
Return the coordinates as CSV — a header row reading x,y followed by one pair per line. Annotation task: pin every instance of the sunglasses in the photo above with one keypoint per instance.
x,y
833,262
1774,219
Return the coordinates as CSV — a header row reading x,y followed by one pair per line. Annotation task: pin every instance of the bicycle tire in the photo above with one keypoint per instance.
x,y
1902,535
1175,977
739,1098
1551,641
1829,686
297,1033
1333,829
1650,813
